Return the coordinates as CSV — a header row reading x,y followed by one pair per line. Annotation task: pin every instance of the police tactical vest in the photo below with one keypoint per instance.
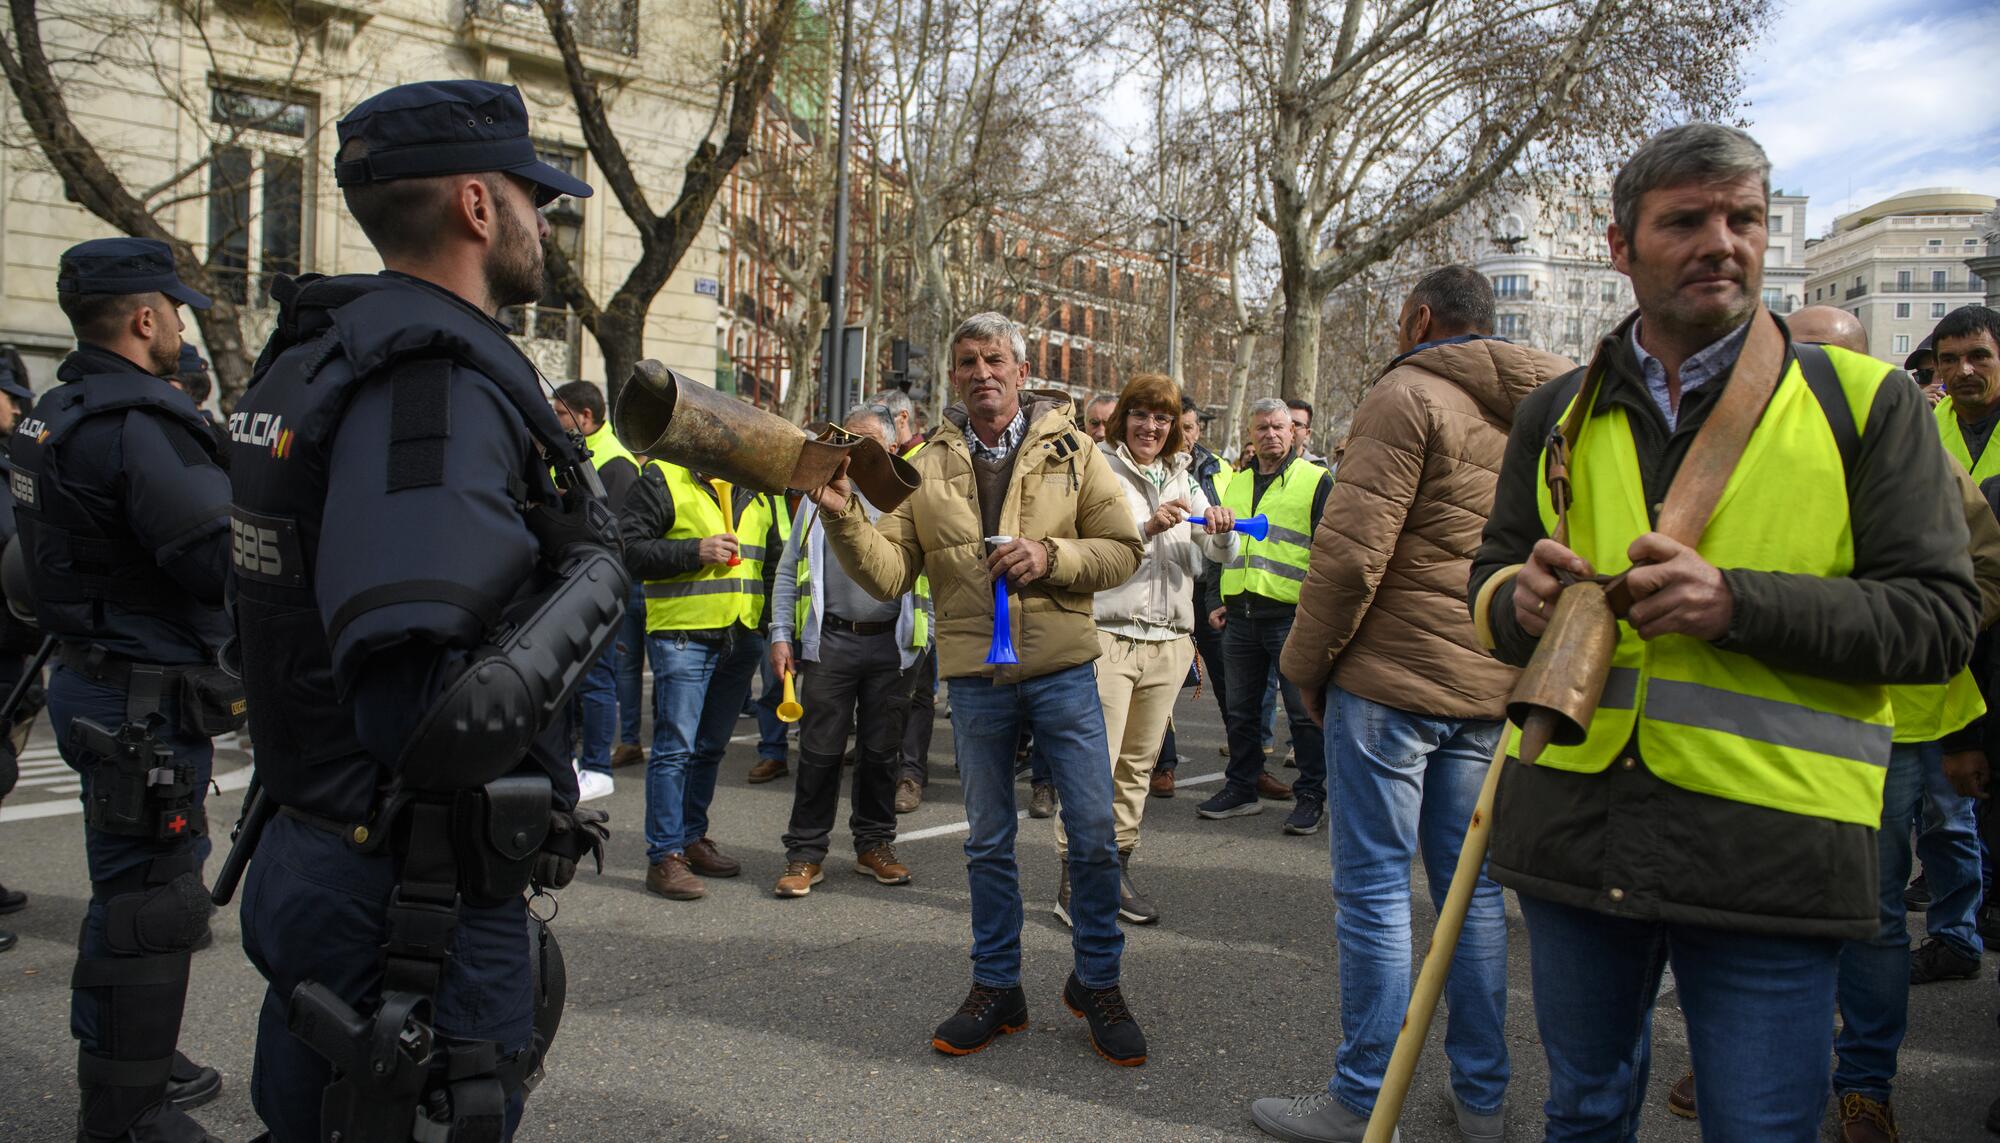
x,y
1274,567
334,334
78,559
715,595
1714,721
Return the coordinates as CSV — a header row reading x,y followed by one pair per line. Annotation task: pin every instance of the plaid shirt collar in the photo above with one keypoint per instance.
x,y
1010,439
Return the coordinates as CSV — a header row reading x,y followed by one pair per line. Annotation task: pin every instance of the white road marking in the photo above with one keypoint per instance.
x,y
962,827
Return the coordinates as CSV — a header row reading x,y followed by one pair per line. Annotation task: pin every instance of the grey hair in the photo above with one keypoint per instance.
x,y
990,326
1264,405
1690,153
898,401
886,421
1101,399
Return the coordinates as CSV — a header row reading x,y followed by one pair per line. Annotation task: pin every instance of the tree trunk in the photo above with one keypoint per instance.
x,y
1298,370
802,395
623,344
1238,397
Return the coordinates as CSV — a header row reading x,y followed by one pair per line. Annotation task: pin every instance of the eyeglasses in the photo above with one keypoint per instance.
x,y
1140,417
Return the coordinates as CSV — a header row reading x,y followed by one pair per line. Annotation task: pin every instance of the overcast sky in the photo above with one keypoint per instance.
x,y
1858,99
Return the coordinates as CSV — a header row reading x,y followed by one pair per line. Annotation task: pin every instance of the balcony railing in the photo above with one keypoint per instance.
x,y
606,25
1854,292
1958,287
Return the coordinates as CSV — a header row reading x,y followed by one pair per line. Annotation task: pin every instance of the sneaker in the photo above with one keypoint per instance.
x,y
592,785
1228,803
1935,960
1476,1128
671,878
1305,816
766,770
1062,893
1680,1097
1042,803
1162,784
189,1084
627,754
1131,906
880,863
1865,1120
1113,1031
1269,787
798,879
1315,1118
909,795
707,859
1917,895
986,1013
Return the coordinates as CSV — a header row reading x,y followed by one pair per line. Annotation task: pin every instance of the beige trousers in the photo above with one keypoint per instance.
x,y
1137,684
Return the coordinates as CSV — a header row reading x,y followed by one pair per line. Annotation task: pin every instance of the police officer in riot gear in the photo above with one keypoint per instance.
x,y
417,598
123,523
16,638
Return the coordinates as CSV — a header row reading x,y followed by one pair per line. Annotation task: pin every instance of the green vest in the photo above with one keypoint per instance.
x,y
1713,721
1954,443
712,596
1274,567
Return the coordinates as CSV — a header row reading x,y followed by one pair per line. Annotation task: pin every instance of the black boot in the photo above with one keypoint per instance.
x,y
12,900
1113,1031
189,1084
1131,906
987,1012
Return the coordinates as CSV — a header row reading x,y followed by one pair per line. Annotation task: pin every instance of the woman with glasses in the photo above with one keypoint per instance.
x,y
1144,625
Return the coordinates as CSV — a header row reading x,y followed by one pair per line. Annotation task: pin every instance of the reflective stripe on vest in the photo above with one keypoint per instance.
x,y
1713,721
1274,567
1953,436
716,595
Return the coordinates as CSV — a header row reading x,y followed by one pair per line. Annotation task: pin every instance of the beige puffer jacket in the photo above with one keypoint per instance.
x,y
1061,490
1383,610
1161,592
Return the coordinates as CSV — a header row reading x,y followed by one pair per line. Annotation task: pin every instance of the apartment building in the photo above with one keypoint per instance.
x,y
1900,264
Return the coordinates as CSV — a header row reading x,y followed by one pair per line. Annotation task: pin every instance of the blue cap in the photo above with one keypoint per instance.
x,y
124,266
450,127
191,361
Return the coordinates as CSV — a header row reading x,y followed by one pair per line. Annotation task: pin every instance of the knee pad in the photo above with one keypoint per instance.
x,y
167,918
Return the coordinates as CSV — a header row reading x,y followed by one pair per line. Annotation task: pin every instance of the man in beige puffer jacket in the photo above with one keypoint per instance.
x,y
1383,651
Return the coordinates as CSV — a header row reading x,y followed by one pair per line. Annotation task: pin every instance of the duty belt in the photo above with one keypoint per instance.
x,y
100,666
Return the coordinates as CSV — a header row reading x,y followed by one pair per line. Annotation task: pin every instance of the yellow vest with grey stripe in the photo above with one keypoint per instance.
x,y
1714,721
1274,567
715,595
1953,437
1928,713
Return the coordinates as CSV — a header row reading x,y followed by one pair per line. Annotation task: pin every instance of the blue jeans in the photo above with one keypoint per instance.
x,y
1400,781
597,711
1062,712
1875,974
1250,648
1948,846
1759,1013
632,665
698,689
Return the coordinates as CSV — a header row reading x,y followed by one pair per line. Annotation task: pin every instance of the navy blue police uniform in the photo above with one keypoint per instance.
x,y
395,521
123,521
18,640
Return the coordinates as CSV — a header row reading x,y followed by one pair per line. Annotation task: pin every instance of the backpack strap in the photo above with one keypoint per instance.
x,y
1824,381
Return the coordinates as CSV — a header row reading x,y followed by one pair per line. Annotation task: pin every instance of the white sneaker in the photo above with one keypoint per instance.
x,y
591,785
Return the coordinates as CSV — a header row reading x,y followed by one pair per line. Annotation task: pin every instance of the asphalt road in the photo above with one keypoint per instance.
x,y
742,1017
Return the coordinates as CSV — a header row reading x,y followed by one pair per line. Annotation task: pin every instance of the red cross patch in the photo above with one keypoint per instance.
x,y
177,823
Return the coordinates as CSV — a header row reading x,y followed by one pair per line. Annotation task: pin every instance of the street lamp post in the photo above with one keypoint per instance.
x,y
1176,226
833,395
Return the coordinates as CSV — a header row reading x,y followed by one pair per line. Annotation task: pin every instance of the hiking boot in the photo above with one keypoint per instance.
x,y
189,1084
1162,783
1042,803
1113,1031
1131,906
986,1013
627,754
880,862
798,879
704,858
1305,817
672,879
1476,1128
1935,960
1865,1120
1230,803
1062,892
1917,895
1680,1097
909,795
767,769
1315,1118
1269,787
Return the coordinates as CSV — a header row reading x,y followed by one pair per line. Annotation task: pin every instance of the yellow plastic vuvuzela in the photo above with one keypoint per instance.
x,y
789,710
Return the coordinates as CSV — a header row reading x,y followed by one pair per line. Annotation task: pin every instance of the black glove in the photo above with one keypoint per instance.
x,y
572,833
586,522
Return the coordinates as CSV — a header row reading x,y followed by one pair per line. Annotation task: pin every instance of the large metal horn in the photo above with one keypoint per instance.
x,y
676,419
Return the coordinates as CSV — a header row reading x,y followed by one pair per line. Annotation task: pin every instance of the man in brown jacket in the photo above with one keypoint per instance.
x,y
1012,488
1384,654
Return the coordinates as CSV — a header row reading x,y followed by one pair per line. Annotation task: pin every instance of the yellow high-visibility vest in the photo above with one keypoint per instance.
x,y
715,595
1274,567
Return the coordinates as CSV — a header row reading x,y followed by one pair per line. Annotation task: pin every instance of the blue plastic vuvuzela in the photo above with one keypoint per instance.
x,y
1256,527
1002,649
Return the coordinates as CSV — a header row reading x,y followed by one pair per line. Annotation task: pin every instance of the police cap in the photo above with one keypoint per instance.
x,y
449,127
12,381
124,266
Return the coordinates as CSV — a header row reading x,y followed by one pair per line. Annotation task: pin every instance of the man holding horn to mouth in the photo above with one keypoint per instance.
x,y
1718,813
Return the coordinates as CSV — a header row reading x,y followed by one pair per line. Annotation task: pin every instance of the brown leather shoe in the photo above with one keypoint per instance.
x,y
627,754
798,879
909,795
1680,1097
768,769
1163,783
672,879
881,864
1269,787
1864,1120
704,858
